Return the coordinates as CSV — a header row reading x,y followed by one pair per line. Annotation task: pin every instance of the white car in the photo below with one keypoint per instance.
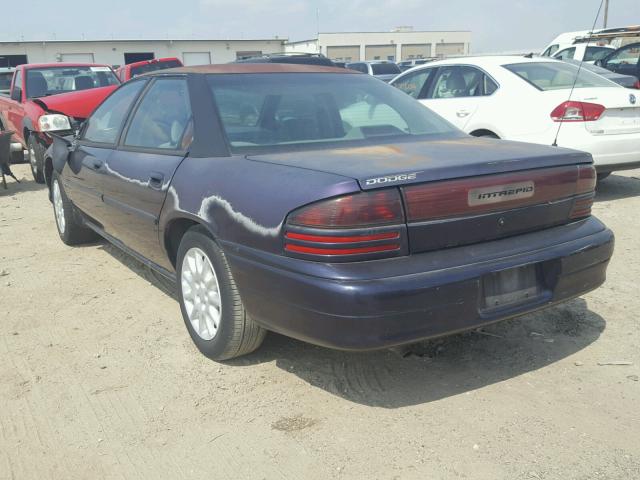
x,y
531,100
586,52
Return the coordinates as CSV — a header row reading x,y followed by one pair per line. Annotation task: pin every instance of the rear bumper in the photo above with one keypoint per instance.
x,y
383,303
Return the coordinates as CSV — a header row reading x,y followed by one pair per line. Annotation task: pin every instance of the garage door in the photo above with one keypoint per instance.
x,y
196,58
446,49
77,57
380,52
347,53
411,51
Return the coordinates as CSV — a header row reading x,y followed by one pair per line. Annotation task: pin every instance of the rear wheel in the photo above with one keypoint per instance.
x,y
602,176
210,302
36,158
70,226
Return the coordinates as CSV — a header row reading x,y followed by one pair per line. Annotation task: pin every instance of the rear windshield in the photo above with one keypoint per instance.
x,y
42,82
5,80
152,67
557,76
384,68
268,111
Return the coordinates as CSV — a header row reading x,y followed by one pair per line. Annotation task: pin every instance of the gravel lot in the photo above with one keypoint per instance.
x,y
99,379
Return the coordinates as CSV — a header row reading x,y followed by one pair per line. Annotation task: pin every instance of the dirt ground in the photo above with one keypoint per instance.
x,y
99,379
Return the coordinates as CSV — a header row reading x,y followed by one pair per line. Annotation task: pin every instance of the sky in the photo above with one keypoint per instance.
x,y
496,25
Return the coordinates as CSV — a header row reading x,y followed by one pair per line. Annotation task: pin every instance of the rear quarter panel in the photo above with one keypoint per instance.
x,y
244,202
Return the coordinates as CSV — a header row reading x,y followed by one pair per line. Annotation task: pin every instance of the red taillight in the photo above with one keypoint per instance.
x,y
586,186
379,207
573,111
359,226
637,84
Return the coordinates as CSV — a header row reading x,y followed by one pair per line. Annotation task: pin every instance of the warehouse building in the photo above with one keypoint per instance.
x,y
402,43
120,52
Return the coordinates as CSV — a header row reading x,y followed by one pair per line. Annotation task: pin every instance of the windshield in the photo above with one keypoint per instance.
x,y
42,82
152,67
5,80
557,76
384,68
264,111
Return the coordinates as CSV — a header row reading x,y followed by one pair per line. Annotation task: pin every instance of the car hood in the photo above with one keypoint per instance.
x,y
427,160
77,104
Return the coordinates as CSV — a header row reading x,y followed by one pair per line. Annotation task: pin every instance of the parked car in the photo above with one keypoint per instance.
x,y
47,98
625,61
292,58
583,52
628,81
381,69
533,100
325,205
407,64
127,72
603,37
6,74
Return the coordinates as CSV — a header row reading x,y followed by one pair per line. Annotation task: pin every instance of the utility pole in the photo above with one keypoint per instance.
x,y
606,12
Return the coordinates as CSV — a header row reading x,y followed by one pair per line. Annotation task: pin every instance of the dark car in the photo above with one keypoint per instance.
x,y
292,58
625,61
381,69
325,205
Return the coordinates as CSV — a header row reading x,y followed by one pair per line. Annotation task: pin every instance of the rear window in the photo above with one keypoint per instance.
x,y
269,111
152,67
557,76
384,68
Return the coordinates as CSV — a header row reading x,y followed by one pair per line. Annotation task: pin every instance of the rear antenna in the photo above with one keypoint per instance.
x,y
575,80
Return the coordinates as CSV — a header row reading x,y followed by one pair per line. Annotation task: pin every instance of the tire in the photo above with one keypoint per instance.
x,y
602,176
235,333
68,222
36,158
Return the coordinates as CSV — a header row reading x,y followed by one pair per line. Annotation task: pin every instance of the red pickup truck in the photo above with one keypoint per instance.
x,y
127,72
54,97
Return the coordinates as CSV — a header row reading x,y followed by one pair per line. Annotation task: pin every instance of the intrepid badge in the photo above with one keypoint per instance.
x,y
501,193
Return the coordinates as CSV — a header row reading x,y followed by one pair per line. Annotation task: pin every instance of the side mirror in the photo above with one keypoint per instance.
x,y
16,94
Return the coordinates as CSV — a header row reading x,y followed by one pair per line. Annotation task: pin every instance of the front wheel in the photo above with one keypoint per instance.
x,y
70,226
210,302
36,158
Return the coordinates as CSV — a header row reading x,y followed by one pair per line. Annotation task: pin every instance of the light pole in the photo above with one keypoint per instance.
x,y
606,12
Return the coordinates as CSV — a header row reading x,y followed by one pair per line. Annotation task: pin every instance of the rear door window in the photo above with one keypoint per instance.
x,y
162,118
565,54
459,81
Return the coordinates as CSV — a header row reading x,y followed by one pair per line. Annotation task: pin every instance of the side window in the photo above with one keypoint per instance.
x,y
596,53
458,81
550,51
360,67
104,125
625,56
489,85
413,83
16,93
163,117
565,54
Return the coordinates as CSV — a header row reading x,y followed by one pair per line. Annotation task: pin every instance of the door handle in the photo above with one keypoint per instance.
x,y
156,179
463,113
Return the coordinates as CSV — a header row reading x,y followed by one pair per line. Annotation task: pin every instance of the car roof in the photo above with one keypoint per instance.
x,y
29,66
488,60
247,68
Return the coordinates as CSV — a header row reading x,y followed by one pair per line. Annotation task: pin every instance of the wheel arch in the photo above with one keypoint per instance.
x,y
484,132
176,229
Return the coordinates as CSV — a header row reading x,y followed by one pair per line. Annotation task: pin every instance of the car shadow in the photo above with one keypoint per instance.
x,y
15,188
423,372
617,187
437,369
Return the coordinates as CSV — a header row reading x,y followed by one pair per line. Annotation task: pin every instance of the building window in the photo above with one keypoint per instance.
x,y
12,60
134,57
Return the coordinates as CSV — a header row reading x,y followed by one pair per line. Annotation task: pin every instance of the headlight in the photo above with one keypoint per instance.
x,y
51,123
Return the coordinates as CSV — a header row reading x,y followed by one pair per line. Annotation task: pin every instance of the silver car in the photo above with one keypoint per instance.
x,y
382,69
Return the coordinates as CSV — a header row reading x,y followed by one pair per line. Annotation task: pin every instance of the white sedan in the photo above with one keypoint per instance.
x,y
533,100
